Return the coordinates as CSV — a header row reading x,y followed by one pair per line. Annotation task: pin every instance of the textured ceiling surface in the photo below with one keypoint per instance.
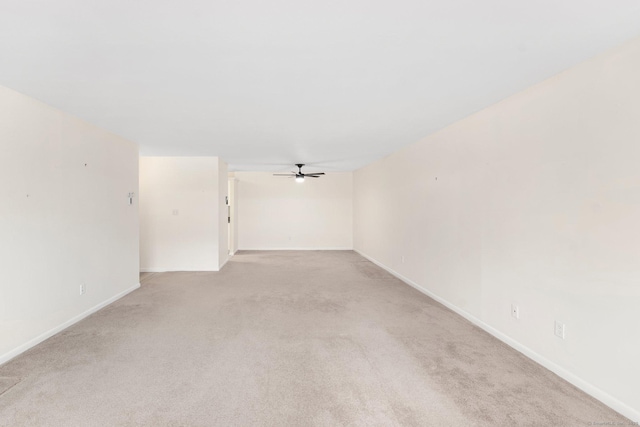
x,y
335,84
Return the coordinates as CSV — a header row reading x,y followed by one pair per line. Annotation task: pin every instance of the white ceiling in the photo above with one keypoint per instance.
x,y
264,84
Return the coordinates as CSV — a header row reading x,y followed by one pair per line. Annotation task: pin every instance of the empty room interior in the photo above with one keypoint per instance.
x,y
408,213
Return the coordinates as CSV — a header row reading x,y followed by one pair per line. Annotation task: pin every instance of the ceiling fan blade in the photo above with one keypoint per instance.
x,y
316,174
311,176
283,174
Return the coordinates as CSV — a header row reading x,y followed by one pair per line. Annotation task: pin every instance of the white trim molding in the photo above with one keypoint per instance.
x,y
174,270
37,340
583,385
294,249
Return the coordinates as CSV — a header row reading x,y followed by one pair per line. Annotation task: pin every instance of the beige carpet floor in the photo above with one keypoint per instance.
x,y
310,338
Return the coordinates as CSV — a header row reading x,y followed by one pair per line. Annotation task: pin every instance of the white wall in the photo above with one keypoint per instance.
x,y
180,213
534,201
65,220
223,227
233,209
278,213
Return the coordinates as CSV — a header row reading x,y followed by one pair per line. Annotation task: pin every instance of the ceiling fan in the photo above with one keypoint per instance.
x,y
299,176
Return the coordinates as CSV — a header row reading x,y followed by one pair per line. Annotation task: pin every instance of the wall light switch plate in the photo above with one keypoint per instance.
x,y
515,311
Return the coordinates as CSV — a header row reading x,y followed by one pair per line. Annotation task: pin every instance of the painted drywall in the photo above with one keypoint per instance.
x,y
223,226
279,213
533,201
65,220
233,208
180,213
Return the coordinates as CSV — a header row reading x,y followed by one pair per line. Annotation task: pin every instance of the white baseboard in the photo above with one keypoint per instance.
x,y
37,340
169,270
296,249
583,385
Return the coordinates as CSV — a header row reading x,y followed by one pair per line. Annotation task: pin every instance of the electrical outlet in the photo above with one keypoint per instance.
x,y
83,289
176,212
402,259
559,329
515,311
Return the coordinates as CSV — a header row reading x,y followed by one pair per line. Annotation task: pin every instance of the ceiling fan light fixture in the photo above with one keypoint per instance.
x,y
299,176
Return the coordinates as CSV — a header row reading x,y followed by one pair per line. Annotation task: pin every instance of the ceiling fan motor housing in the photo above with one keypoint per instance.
x,y
299,176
